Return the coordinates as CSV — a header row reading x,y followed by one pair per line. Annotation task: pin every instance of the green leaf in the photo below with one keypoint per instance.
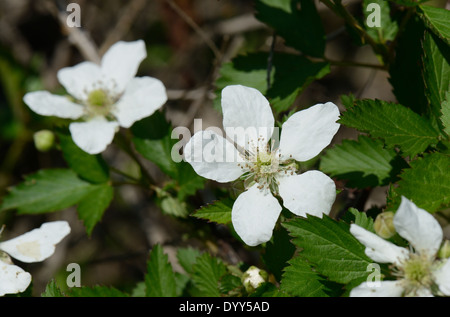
x,y
89,167
96,291
159,152
278,251
445,118
171,205
409,3
229,284
188,180
47,191
290,75
218,211
406,69
388,28
138,290
363,163
297,21
93,205
330,247
394,123
437,20
268,290
427,182
160,278
359,218
52,290
436,62
207,272
300,280
153,140
187,257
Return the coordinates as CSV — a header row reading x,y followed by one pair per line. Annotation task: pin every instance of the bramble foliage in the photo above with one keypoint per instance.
x,y
403,145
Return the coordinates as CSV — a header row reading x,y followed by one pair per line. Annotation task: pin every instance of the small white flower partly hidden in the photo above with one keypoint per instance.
x,y
34,246
104,96
418,271
268,170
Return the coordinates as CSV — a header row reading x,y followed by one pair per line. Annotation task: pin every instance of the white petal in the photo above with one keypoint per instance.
x,y
142,97
13,279
93,136
419,227
423,291
307,132
254,215
213,157
121,62
247,115
38,244
47,104
377,248
442,277
383,289
312,193
80,79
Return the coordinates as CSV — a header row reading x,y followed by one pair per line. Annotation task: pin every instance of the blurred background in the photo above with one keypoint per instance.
x,y
187,42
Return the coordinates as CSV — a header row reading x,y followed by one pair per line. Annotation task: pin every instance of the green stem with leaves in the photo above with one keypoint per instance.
x,y
340,10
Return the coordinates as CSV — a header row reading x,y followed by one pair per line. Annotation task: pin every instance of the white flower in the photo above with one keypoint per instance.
x,y
34,246
418,271
267,170
105,96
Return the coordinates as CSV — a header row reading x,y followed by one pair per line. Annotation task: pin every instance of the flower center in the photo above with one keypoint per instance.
x,y
97,97
264,167
416,273
99,102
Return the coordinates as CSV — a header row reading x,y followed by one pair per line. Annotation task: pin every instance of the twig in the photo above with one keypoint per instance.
x,y
123,25
76,36
196,28
340,10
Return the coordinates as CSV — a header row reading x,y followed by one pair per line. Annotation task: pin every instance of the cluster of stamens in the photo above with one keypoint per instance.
x,y
415,273
264,166
100,99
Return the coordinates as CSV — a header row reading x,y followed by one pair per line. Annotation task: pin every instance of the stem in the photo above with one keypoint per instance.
x,y
347,63
401,28
354,64
269,60
117,171
340,10
123,141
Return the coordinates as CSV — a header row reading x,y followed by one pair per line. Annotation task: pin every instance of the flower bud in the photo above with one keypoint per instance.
x,y
384,225
253,278
44,140
444,251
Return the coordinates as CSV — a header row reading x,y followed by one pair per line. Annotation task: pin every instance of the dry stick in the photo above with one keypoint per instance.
x,y
124,24
76,36
196,28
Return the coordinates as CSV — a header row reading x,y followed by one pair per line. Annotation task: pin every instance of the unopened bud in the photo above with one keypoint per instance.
x,y
44,140
444,251
253,278
384,224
